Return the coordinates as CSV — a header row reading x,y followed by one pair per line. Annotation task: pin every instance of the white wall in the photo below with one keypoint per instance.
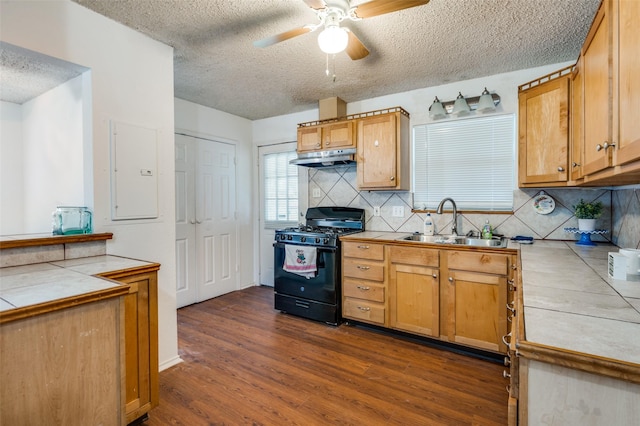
x,y
11,166
131,82
53,172
416,102
198,120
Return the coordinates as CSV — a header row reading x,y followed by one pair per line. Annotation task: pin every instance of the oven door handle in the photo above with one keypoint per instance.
x,y
279,244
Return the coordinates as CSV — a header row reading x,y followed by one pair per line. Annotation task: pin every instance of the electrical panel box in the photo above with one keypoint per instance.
x,y
134,172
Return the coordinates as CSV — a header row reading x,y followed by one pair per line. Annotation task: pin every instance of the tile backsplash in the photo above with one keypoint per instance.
x,y
338,187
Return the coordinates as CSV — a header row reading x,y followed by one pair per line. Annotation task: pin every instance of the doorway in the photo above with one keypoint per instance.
x,y
275,193
206,225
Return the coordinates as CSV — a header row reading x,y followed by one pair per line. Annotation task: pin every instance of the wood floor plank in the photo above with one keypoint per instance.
x,y
247,364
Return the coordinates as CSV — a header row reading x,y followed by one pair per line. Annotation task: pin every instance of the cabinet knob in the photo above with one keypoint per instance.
x,y
599,147
609,145
318,145
574,164
450,279
327,143
507,361
561,169
392,178
505,374
435,275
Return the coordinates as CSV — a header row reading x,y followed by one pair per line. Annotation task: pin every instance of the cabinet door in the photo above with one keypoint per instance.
x,y
377,152
577,122
627,74
596,55
543,132
338,135
477,309
414,302
141,344
309,138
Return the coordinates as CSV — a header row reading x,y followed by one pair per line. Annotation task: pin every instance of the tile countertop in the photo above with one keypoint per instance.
x,y
571,303
27,285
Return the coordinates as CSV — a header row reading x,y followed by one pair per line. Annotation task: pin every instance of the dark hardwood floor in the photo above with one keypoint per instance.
x,y
247,364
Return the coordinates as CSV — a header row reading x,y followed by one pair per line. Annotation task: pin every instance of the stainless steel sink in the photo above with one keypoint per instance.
x,y
495,242
437,239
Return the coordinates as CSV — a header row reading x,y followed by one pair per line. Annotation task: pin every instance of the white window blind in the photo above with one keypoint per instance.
x,y
471,161
280,190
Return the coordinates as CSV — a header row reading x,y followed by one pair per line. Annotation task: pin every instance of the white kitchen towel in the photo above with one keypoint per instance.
x,y
300,260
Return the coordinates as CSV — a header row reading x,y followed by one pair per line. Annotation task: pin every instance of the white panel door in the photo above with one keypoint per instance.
x,y
206,225
185,221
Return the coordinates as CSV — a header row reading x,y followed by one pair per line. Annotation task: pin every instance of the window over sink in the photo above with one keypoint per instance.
x,y
471,161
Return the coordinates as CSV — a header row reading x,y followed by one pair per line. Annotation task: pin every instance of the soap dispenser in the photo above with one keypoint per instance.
x,y
428,225
487,233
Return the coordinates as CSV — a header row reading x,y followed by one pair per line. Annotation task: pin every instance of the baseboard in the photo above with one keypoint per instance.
x,y
170,363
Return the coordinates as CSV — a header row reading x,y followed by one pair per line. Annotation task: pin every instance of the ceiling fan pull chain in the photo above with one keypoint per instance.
x,y
334,68
327,70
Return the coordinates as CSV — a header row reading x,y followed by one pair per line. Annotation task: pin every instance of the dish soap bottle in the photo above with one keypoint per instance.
x,y
428,225
487,233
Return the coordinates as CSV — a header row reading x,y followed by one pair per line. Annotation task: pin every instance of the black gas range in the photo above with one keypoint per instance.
x,y
307,260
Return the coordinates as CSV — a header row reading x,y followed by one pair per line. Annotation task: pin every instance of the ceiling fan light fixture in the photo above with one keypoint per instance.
x,y
333,39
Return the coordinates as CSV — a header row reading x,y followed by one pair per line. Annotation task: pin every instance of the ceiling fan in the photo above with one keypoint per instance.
x,y
335,39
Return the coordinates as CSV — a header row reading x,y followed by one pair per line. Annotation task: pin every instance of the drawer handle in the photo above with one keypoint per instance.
x,y
505,341
363,247
364,287
364,308
364,268
505,374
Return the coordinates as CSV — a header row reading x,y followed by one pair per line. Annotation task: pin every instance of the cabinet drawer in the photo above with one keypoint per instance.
x,y
414,256
358,268
478,262
363,290
363,250
365,311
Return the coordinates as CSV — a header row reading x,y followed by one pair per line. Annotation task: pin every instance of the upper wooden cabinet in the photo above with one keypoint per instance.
x,y
543,130
383,151
577,123
612,95
324,137
626,72
596,56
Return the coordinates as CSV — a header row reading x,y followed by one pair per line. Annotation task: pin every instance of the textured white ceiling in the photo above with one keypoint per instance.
x,y
217,65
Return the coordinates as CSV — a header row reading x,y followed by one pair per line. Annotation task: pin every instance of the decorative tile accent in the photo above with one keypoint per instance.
x,y
621,213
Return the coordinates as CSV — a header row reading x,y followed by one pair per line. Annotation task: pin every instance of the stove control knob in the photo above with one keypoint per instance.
x,y
325,241
289,237
303,239
317,240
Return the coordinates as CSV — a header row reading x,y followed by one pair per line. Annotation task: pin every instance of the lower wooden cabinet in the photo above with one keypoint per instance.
x,y
414,290
141,340
364,283
477,297
454,295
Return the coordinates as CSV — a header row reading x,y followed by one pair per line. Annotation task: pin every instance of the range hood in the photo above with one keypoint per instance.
x,y
338,157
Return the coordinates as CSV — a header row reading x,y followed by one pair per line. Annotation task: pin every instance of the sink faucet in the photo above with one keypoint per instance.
x,y
454,228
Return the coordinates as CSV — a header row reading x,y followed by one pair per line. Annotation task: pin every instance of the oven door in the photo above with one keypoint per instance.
x,y
324,287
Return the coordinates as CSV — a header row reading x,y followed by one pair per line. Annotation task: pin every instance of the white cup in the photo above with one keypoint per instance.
x,y
633,260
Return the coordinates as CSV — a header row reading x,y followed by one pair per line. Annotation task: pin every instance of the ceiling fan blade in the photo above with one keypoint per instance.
x,y
380,7
269,41
355,49
315,4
